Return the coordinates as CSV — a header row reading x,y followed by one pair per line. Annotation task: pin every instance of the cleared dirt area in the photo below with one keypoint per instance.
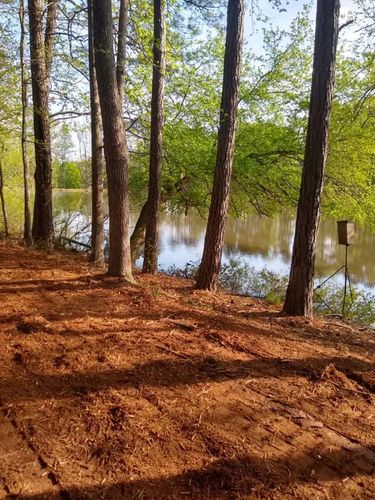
x,y
156,390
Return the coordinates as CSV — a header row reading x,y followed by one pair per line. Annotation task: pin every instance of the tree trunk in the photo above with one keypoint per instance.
x,y
49,37
121,48
137,238
115,147
27,232
209,268
150,261
2,199
97,156
41,56
299,296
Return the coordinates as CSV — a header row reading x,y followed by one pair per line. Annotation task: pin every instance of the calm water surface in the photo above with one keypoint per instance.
x,y
261,242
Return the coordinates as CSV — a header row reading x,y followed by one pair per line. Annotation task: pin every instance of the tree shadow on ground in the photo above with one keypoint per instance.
x,y
248,476
166,373
94,282
76,284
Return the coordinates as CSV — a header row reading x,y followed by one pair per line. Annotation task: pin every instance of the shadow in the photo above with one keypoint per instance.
x,y
240,323
168,373
239,477
290,328
75,285
261,314
235,331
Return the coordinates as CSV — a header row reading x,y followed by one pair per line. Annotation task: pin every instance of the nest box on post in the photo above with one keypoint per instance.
x,y
346,232
346,237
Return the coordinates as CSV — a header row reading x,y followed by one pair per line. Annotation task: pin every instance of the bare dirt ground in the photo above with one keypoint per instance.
x,y
158,391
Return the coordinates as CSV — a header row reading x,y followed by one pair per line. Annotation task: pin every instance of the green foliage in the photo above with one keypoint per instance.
x,y
359,307
11,160
69,176
267,168
350,187
274,99
238,277
10,83
272,120
85,169
189,169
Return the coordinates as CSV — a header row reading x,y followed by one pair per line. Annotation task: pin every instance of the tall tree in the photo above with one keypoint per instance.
x,y
27,231
121,47
299,296
97,155
150,262
2,199
115,146
41,49
208,273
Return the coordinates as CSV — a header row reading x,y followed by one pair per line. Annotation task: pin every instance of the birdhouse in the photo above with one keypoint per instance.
x,y
346,232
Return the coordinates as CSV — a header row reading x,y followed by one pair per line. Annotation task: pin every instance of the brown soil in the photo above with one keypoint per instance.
x,y
155,390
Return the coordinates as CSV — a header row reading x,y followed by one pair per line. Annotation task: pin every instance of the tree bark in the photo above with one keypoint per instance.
x,y
2,199
41,45
150,261
27,232
208,273
49,37
121,48
115,147
137,238
299,296
97,156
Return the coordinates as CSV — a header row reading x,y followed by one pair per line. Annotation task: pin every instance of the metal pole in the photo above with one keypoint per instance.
x,y
346,279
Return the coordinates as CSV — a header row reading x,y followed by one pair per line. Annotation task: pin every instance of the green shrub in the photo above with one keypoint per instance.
x,y
238,277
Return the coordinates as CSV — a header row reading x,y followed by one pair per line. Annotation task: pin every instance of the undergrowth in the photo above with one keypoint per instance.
x,y
238,277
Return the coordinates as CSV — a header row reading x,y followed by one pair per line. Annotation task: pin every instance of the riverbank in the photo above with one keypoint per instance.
x,y
156,390
259,242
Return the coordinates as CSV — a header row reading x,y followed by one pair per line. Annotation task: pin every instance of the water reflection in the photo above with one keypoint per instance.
x,y
260,241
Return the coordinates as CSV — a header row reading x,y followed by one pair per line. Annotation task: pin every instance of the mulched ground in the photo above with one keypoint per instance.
x,y
156,390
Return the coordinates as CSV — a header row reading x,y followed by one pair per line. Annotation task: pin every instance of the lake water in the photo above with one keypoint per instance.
x,y
261,242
